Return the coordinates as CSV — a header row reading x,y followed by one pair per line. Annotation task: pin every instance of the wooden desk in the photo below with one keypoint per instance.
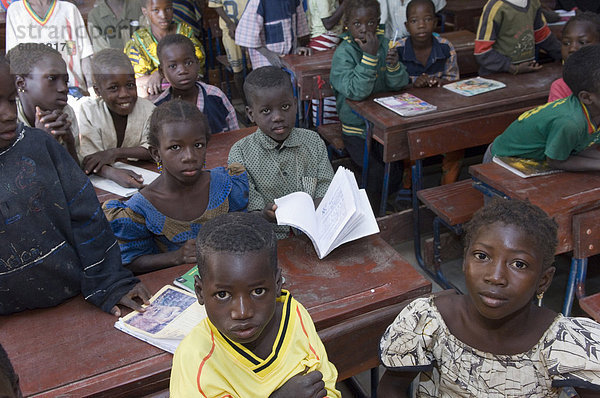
x,y
455,114
464,14
217,153
572,199
352,295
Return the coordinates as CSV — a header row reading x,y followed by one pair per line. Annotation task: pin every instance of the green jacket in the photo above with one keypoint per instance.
x,y
355,76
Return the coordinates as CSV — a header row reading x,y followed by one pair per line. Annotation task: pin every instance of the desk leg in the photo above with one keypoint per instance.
x,y
374,381
365,168
576,279
580,282
296,95
385,188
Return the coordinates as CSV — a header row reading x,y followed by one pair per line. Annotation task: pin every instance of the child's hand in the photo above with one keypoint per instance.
x,y
153,84
138,291
93,163
422,81
371,44
186,254
309,385
392,57
269,212
304,51
525,67
273,58
53,122
126,178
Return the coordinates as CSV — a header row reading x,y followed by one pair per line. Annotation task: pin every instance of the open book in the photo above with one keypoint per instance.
x,y
405,104
525,168
474,86
171,315
343,215
111,186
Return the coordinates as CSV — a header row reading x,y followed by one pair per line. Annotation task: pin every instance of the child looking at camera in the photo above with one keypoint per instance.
x,y
157,226
494,341
42,83
141,49
56,241
280,159
111,126
179,66
581,30
364,64
276,349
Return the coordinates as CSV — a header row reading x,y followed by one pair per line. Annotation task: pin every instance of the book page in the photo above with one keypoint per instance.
x,y
113,187
297,210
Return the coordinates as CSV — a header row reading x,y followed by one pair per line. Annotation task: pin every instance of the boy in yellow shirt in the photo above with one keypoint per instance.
x,y
257,341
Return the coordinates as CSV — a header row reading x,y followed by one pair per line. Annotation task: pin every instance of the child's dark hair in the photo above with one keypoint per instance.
x,y
235,233
352,5
144,3
261,79
174,39
25,56
524,215
587,16
109,59
582,70
7,369
172,112
414,3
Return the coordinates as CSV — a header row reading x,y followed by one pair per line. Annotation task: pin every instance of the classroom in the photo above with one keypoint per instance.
x,y
300,198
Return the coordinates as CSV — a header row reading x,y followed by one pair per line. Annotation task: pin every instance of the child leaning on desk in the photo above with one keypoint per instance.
x,y
257,340
56,242
112,126
564,132
509,33
280,159
364,63
494,341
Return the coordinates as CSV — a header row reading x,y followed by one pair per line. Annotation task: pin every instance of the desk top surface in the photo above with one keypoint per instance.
x,y
520,91
75,348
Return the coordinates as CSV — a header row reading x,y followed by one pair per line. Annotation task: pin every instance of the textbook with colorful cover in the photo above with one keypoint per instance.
x,y
343,215
186,281
170,316
474,86
406,104
525,168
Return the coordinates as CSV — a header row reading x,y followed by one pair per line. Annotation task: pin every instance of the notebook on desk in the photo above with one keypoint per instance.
x,y
474,86
405,104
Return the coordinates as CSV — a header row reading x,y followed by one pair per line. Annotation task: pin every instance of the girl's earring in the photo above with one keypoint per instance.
x,y
159,166
21,90
540,297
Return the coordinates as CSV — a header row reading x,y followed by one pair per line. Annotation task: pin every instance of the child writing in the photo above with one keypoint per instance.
x,y
111,23
508,35
494,341
42,84
111,126
280,159
276,349
364,64
430,61
581,30
56,241
141,49
270,29
393,16
179,66
563,132
156,227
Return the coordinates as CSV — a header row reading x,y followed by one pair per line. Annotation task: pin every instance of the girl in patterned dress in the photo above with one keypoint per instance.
x,y
494,341
157,227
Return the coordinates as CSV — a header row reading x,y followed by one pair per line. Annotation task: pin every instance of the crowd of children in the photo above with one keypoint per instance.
x,y
75,99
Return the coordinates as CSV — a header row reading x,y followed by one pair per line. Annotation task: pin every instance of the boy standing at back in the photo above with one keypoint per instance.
x,y
564,132
257,341
279,158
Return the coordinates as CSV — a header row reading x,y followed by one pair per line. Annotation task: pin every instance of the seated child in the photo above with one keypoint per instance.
x,y
57,24
564,132
270,29
581,30
112,22
157,226
56,241
393,16
111,126
9,380
230,12
41,78
280,158
508,35
179,66
430,61
494,341
141,49
257,340
364,64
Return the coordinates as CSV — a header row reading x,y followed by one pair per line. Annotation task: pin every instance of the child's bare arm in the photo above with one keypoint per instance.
x,y
149,84
140,292
586,160
309,385
93,163
330,22
123,177
57,124
231,25
525,67
186,254
273,57
395,384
